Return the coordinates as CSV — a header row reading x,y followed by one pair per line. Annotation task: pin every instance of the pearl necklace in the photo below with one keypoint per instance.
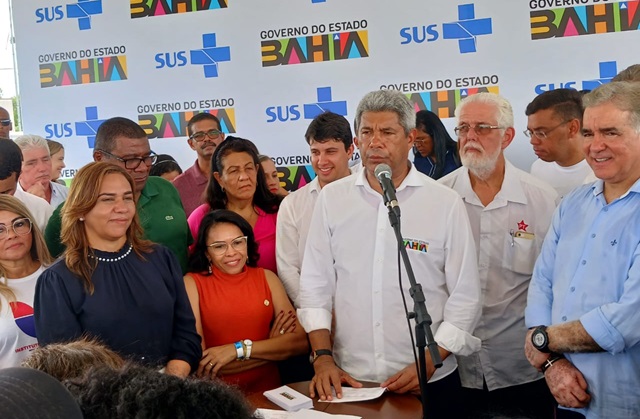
x,y
113,259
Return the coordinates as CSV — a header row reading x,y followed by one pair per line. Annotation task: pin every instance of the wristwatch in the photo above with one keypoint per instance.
x,y
540,339
315,354
247,344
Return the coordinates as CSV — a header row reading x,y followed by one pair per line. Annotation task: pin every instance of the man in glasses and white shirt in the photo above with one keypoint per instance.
x,y
205,135
509,212
124,143
554,123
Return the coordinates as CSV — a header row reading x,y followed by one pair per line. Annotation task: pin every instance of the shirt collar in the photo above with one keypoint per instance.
x,y
598,188
413,178
511,189
148,192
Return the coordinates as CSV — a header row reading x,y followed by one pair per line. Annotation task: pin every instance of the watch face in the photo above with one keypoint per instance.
x,y
538,339
311,358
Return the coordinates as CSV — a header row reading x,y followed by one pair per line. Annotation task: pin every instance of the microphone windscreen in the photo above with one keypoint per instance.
x,y
382,170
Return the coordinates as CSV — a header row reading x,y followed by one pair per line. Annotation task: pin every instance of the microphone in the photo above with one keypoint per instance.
x,y
383,174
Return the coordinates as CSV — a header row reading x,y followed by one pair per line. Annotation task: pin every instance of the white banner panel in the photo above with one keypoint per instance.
x,y
267,67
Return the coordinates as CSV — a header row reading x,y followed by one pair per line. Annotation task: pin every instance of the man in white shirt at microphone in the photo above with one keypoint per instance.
x,y
350,269
510,212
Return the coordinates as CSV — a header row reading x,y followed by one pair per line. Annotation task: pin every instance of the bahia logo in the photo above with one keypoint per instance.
x,y
86,128
465,30
209,56
325,103
83,10
608,70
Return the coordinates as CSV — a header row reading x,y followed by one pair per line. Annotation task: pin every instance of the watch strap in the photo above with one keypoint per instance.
x,y
321,352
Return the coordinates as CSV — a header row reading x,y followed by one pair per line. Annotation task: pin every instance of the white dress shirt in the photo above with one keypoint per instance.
x,y
350,268
294,218
508,235
58,193
38,207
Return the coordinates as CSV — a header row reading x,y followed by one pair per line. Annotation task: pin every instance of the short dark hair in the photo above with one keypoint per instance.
x,y
10,159
329,126
139,392
198,261
217,198
201,117
631,73
164,164
112,128
430,123
566,103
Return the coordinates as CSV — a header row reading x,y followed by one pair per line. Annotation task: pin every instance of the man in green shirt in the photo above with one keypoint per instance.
x,y
124,143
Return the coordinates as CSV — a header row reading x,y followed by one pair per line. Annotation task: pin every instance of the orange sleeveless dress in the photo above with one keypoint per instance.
x,y
234,308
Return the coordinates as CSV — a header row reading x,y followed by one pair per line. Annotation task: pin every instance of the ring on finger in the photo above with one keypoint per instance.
x,y
211,364
282,331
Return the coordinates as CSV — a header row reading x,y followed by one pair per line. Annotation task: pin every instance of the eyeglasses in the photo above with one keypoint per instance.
x,y
134,162
220,248
21,227
213,134
480,129
540,134
5,122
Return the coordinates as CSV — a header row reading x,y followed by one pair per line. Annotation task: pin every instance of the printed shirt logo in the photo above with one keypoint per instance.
x,y
416,244
522,226
23,315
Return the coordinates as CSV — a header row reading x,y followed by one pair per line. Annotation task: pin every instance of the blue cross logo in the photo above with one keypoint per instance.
x,y
89,127
324,103
318,1
83,10
467,28
210,55
608,70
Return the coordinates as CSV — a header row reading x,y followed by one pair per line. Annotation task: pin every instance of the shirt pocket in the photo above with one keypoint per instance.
x,y
520,253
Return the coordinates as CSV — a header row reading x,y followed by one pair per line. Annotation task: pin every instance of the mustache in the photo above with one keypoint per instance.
x,y
473,146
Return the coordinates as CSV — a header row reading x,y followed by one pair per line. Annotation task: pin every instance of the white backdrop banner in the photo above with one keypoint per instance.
x,y
267,67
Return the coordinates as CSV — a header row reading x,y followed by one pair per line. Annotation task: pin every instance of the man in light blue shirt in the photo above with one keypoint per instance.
x,y
584,298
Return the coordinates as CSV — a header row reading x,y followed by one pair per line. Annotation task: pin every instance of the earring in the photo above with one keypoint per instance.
x,y
81,218
222,187
210,271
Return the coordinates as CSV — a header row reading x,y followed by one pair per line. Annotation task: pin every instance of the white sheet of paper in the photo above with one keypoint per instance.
x,y
350,394
301,414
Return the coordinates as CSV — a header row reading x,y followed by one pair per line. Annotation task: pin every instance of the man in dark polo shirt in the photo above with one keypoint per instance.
x,y
204,136
123,142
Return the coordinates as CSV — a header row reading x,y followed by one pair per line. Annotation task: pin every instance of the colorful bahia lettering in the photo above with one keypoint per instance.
x,y
315,48
92,70
293,178
174,124
150,8
443,102
585,20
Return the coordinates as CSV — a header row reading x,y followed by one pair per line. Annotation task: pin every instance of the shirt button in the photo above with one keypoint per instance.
x,y
378,324
564,318
572,289
584,262
593,236
606,209
378,356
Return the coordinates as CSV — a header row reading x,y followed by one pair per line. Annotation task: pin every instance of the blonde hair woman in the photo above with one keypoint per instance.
x,y
23,257
113,285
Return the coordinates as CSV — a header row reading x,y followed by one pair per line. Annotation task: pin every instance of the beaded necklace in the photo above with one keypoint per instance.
x,y
122,256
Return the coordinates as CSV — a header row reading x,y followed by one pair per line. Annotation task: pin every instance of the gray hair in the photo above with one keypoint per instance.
x,y
624,95
28,141
387,101
502,105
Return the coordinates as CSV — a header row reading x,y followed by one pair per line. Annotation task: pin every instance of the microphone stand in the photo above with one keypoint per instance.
x,y
424,335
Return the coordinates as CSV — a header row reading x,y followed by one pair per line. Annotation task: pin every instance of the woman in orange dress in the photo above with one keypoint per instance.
x,y
242,312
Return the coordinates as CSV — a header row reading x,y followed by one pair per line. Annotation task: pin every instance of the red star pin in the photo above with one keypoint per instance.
x,y
522,226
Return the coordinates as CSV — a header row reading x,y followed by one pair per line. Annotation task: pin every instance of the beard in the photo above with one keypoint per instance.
x,y
480,165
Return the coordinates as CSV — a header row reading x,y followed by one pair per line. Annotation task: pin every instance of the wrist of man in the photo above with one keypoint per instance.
x,y
553,358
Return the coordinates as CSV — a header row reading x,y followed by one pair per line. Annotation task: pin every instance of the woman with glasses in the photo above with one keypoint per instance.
x,y
237,183
435,152
23,257
113,285
242,312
